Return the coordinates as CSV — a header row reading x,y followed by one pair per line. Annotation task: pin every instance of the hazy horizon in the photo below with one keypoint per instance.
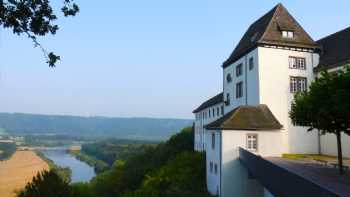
x,y
154,59
97,116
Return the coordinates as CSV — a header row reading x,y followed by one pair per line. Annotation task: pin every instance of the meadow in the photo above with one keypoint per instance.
x,y
18,170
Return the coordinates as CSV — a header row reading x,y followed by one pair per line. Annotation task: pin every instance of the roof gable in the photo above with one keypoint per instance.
x,y
210,102
267,30
247,118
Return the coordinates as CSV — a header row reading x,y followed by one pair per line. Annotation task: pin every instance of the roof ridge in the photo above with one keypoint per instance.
x,y
270,22
332,34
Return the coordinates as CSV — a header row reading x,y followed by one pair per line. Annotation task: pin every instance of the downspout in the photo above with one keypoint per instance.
x,y
246,80
318,131
220,194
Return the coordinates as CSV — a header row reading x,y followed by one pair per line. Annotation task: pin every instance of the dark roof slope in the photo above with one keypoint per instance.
x,y
267,30
335,50
212,101
247,118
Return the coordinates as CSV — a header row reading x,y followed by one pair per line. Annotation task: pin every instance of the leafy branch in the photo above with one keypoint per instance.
x,y
34,18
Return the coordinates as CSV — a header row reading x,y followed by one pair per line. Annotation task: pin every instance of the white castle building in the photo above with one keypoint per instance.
x,y
274,59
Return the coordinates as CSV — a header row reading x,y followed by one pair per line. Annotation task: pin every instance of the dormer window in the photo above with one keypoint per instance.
x,y
287,34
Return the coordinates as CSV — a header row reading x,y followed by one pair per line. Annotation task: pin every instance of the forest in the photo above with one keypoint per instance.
x,y
126,128
171,168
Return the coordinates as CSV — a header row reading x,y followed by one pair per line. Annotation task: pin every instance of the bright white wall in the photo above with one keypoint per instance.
x,y
234,175
213,155
329,145
250,80
274,88
201,121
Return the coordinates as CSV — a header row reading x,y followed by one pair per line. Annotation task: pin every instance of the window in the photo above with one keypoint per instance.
x,y
217,111
228,78
287,34
298,84
216,169
297,63
239,89
227,101
222,110
209,113
239,70
213,141
213,112
252,142
251,63
211,166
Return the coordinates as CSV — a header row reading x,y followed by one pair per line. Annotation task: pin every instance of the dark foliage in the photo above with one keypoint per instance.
x,y
114,149
325,107
182,176
168,169
33,19
46,184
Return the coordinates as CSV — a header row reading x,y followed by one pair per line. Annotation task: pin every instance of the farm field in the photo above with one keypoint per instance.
x,y
18,170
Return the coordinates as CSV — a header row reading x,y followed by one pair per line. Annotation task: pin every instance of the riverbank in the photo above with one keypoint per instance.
x,y
61,158
98,165
64,172
17,171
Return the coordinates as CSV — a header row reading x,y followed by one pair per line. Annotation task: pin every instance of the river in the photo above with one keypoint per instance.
x,y
81,172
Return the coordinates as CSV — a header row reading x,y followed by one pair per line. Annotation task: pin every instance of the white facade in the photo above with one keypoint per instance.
x,y
234,177
250,79
203,118
274,86
268,82
263,75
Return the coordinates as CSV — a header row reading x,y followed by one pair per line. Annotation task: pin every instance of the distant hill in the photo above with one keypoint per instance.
x,y
134,128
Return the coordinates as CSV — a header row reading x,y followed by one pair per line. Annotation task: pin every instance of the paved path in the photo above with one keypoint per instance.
x,y
323,176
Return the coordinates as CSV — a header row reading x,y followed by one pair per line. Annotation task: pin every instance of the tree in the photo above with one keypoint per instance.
x,y
34,18
46,184
182,176
325,107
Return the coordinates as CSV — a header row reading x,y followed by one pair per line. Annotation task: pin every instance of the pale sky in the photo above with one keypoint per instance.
x,y
133,58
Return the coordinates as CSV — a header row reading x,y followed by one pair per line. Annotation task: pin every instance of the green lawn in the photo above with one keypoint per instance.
x,y
310,156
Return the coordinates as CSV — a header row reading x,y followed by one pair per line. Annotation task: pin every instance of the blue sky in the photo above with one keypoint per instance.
x,y
132,58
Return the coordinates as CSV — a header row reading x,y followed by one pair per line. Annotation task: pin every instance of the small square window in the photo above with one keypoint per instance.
x,y
252,142
298,84
290,34
297,63
287,34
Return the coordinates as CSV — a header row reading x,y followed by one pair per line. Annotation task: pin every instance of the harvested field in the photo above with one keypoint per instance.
x,y
18,170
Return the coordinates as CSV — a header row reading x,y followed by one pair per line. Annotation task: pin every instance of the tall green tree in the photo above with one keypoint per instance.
x,y
325,107
34,18
182,176
46,184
